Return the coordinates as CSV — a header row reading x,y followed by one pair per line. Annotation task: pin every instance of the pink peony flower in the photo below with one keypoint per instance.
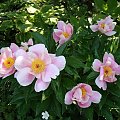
x,y
63,33
7,60
105,26
108,69
83,95
37,63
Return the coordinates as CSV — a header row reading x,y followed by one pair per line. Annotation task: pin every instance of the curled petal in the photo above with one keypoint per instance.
x,y
61,25
100,83
85,105
68,98
94,28
110,33
96,65
96,97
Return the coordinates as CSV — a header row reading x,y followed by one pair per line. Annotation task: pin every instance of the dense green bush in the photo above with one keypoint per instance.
x,y
21,20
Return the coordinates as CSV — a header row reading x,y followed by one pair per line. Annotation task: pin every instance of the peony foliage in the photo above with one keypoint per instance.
x,y
59,60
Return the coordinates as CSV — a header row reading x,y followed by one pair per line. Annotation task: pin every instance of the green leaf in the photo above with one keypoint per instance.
x,y
74,62
38,38
92,76
69,83
114,89
61,49
89,113
112,5
99,4
5,25
106,113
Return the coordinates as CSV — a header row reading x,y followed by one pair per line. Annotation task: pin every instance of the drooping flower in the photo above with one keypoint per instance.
x,y
63,33
45,115
37,63
105,26
108,69
82,95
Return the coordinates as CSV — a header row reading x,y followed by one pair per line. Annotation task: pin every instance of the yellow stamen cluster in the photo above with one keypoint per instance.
x,y
38,66
65,34
107,71
83,92
9,62
102,25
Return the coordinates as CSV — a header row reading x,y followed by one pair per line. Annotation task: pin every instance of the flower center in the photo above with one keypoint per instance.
x,y
38,66
65,34
107,71
83,92
102,25
9,62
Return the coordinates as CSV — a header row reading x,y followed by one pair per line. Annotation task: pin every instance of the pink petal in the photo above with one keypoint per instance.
x,y
77,96
24,77
117,70
14,47
85,99
30,42
86,105
39,49
51,72
7,52
101,73
96,97
8,74
60,62
20,52
21,62
88,89
55,37
94,28
58,32
96,65
69,29
110,33
40,85
100,83
61,25
68,98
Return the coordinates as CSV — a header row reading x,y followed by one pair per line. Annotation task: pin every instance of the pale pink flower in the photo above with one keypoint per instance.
x,y
24,45
63,33
105,26
7,60
82,95
108,69
37,63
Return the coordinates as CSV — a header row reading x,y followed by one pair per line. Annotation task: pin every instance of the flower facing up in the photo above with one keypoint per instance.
x,y
83,95
7,60
37,63
108,69
105,26
63,33
45,115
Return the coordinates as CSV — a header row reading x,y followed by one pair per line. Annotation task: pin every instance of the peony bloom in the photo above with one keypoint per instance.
x,y
37,63
83,95
45,115
63,33
7,60
108,69
105,26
